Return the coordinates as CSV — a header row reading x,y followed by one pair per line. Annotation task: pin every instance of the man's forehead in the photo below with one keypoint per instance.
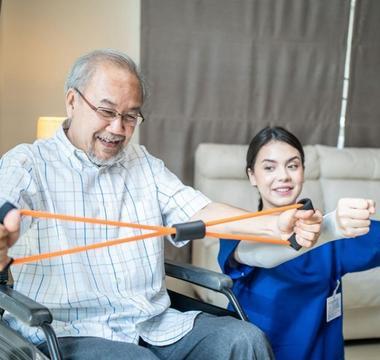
x,y
110,71
106,78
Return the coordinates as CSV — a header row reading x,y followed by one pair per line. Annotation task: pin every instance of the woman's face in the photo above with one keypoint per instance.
x,y
278,174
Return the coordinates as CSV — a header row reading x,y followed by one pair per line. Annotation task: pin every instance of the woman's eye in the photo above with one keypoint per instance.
x,y
293,166
268,168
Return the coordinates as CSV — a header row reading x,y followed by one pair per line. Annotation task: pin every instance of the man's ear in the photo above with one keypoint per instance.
x,y
70,102
252,177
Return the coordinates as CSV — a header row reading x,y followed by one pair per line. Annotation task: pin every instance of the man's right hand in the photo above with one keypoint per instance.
x,y
9,233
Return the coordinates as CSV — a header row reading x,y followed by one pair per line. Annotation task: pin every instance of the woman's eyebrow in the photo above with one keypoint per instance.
x,y
293,158
289,160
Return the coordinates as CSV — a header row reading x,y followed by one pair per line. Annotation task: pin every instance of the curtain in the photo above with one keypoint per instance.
x,y
363,110
220,70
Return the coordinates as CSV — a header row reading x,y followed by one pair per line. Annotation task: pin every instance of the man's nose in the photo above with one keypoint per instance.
x,y
116,126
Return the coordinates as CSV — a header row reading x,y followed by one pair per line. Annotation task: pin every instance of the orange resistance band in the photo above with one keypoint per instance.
x,y
253,214
77,249
156,231
46,215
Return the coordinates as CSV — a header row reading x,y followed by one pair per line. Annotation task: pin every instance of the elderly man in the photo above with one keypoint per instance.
x,y
112,302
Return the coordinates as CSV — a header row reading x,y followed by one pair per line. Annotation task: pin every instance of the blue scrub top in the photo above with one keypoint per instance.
x,y
288,302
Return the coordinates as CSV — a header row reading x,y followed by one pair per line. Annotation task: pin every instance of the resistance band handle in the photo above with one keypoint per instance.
x,y
307,205
4,210
189,231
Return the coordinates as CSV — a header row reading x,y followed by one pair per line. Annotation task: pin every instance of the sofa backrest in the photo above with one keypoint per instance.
x,y
330,174
350,172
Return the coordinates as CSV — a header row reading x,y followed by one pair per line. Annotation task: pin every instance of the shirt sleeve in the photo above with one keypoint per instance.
x,y
360,253
227,262
18,185
178,202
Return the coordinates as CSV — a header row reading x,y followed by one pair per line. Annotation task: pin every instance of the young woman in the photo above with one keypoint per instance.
x,y
298,304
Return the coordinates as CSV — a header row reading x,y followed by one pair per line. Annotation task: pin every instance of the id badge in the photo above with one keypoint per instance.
x,y
334,305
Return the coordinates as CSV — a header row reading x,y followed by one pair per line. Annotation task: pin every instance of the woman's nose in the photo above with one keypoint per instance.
x,y
283,174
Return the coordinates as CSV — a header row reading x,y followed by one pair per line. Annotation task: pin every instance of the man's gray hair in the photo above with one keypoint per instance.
x,y
84,67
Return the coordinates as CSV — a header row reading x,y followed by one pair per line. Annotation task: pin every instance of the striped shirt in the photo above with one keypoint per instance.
x,y
118,292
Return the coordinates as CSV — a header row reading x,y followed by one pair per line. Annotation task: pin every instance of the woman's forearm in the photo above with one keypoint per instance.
x,y
268,255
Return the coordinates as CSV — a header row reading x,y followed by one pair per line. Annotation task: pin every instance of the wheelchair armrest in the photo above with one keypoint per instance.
x,y
27,310
198,276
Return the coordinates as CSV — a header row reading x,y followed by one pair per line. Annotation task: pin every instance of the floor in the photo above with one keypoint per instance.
x,y
369,350
355,350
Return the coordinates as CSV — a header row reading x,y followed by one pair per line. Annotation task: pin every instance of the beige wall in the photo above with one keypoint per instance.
x,y
39,40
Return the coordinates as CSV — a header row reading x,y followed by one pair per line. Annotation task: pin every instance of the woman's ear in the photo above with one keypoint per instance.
x,y
252,177
303,175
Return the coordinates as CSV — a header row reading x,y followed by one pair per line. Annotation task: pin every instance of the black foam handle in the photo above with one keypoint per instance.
x,y
306,205
189,231
4,274
4,210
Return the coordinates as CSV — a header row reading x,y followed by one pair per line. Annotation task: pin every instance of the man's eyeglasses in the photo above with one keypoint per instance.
x,y
132,119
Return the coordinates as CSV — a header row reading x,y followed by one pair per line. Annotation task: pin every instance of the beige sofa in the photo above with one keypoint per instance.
x,y
330,175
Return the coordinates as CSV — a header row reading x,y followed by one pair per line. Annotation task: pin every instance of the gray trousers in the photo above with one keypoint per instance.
x,y
212,338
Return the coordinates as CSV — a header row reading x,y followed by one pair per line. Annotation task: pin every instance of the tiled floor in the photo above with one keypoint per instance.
x,y
363,351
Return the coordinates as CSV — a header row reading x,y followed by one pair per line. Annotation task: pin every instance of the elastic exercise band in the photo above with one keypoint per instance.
x,y
157,231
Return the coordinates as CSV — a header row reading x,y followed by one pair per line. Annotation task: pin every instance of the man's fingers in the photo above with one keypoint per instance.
x,y
9,232
287,220
12,221
3,231
304,214
4,237
308,227
306,235
304,242
313,228
4,261
309,216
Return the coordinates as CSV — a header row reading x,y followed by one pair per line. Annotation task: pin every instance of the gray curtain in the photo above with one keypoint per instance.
x,y
220,70
363,111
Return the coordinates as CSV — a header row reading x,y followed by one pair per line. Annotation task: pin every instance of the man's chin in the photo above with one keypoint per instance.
x,y
105,159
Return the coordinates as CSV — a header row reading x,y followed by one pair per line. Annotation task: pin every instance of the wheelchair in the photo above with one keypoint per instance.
x,y
14,347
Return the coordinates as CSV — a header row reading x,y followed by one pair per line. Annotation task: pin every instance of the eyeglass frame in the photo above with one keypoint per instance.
x,y
113,114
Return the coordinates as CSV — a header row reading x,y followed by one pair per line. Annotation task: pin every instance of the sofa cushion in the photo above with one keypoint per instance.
x,y
220,174
349,163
